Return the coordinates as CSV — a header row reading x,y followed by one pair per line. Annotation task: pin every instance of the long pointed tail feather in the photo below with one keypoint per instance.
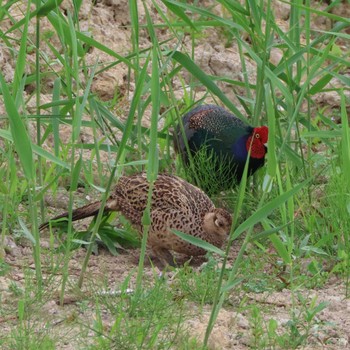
x,y
77,214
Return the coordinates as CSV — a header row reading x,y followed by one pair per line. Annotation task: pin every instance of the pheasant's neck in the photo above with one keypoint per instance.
x,y
239,149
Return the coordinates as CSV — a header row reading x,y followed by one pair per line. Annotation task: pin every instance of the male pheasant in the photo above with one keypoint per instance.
x,y
176,204
219,143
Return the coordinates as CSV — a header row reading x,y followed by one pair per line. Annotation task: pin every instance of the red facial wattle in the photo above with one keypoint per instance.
x,y
257,141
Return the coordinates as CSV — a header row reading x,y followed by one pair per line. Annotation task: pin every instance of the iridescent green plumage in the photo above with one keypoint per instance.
x,y
218,143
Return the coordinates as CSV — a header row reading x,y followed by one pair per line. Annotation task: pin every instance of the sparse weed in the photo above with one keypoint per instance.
x,y
209,172
198,286
271,333
148,320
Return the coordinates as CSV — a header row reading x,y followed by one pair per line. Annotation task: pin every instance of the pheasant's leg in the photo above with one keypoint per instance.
x,y
164,256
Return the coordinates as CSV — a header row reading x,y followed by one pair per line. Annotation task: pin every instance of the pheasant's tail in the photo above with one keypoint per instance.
x,y
77,214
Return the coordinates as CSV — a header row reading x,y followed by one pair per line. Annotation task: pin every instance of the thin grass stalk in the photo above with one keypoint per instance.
x,y
193,49
307,28
291,228
23,147
153,161
35,229
260,85
73,74
37,97
220,294
346,181
301,95
96,144
290,213
272,163
217,302
294,32
282,208
242,57
120,156
146,224
260,91
164,63
273,169
55,113
7,201
135,34
23,144
260,214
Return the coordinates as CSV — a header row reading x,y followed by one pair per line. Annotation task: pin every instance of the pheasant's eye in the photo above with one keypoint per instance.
x,y
257,136
218,223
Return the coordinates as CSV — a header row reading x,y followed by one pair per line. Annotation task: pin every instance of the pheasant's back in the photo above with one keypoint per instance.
x,y
209,122
213,119
169,192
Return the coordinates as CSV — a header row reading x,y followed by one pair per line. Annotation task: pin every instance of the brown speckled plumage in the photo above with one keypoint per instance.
x,y
176,204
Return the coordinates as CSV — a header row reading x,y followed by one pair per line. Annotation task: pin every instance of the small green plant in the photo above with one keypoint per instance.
x,y
270,333
4,268
198,286
149,320
31,329
258,338
108,235
15,289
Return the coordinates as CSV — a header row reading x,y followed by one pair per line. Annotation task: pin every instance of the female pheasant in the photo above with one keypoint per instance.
x,y
176,204
219,143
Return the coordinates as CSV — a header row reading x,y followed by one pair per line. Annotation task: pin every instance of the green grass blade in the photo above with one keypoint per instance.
x,y
198,242
320,84
19,133
271,118
345,138
48,6
120,156
280,248
21,60
191,67
152,169
178,11
268,208
55,111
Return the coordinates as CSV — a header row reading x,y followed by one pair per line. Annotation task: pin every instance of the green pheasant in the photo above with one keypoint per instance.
x,y
219,144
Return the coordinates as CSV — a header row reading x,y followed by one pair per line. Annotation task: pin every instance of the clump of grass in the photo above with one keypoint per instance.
x,y
293,333
198,286
333,224
148,320
208,171
108,235
32,329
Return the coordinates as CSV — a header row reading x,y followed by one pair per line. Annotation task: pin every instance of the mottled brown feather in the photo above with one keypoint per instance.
x,y
176,204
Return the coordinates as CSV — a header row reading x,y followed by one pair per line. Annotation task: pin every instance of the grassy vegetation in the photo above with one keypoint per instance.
x,y
296,222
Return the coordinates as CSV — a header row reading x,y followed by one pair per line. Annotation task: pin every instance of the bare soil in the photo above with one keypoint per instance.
x,y
106,274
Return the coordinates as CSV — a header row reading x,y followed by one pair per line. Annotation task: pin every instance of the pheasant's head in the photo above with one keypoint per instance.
x,y
218,222
256,142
